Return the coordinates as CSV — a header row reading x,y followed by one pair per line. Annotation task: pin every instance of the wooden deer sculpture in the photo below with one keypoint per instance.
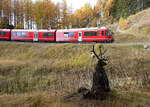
x,y
100,86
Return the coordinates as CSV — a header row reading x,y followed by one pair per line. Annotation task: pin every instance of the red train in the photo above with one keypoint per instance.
x,y
64,35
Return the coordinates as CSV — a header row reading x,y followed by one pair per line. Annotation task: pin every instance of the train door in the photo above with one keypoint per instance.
x,y
79,36
35,36
10,34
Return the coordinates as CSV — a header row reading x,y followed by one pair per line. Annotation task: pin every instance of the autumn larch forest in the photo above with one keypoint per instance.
x,y
44,14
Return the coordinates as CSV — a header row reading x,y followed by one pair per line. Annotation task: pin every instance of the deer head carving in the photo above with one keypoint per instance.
x,y
101,58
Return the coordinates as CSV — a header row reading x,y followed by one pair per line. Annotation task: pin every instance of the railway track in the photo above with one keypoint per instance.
x,y
86,43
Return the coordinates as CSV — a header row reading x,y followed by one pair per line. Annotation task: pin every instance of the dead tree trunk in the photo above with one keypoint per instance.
x,y
100,86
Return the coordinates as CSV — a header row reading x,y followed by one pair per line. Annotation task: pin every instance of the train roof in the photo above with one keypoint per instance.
x,y
81,29
4,29
59,30
32,30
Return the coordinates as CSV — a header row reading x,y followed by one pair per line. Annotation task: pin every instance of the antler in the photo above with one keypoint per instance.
x,y
93,52
100,57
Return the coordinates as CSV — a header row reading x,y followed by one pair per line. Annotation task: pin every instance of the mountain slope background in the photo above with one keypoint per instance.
x,y
135,28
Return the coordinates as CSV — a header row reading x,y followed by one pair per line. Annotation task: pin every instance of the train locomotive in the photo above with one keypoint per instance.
x,y
63,35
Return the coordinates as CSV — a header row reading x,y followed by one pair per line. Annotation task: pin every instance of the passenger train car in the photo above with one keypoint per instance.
x,y
62,35
33,35
5,34
84,35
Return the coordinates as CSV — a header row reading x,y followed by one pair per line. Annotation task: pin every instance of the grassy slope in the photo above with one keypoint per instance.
x,y
35,72
138,28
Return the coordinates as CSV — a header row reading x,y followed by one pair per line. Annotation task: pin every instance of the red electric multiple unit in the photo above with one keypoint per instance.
x,y
84,35
33,35
96,35
67,35
46,35
63,35
5,34
22,35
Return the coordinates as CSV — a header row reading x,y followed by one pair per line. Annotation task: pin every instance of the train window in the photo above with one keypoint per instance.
x,y
66,34
103,33
3,33
71,34
47,34
14,34
19,33
50,34
91,33
24,34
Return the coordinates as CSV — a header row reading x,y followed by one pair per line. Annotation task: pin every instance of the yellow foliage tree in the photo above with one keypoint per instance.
x,y
83,15
123,23
107,8
37,13
103,6
49,14
28,10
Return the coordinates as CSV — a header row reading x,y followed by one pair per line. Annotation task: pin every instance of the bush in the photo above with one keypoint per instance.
x,y
123,23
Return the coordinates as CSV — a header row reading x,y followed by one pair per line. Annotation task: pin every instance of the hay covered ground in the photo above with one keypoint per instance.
x,y
42,74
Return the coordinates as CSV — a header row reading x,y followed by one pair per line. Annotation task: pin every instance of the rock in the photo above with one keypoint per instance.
x,y
146,46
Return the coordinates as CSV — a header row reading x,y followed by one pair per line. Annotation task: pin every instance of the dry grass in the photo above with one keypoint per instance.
x,y
130,68
40,99
33,67
28,69
121,38
130,37
44,99
145,30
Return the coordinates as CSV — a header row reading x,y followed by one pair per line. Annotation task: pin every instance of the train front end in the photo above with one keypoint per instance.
x,y
106,34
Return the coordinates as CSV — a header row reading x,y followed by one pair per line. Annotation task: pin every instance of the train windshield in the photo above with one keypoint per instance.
x,y
107,33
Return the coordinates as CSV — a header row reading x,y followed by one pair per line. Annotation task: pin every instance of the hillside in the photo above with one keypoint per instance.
x,y
44,74
136,28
